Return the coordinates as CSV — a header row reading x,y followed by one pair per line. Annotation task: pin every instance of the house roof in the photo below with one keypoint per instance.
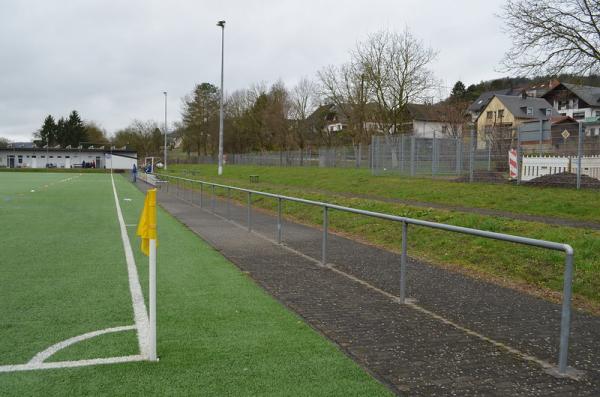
x,y
425,112
481,102
589,94
33,148
517,105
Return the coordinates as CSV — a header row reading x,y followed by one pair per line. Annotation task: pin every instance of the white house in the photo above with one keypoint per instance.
x,y
27,155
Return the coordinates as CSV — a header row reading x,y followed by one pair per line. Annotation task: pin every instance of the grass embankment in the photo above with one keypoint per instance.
x,y
553,202
509,264
64,273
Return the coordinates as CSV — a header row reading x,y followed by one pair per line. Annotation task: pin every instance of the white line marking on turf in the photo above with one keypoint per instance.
x,y
71,364
43,356
522,355
139,307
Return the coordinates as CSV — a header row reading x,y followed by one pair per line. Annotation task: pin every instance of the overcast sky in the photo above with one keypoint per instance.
x,y
111,60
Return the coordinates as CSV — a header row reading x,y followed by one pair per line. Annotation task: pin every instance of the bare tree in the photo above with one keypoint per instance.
x,y
303,101
397,70
552,36
346,88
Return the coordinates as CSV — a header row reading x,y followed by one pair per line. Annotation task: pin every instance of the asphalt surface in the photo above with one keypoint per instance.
x,y
461,336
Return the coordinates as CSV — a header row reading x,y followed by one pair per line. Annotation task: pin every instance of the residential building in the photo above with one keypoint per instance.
x,y
504,113
429,120
576,101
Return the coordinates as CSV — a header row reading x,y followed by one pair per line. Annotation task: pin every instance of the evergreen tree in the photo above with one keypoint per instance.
x,y
47,133
61,133
458,91
75,130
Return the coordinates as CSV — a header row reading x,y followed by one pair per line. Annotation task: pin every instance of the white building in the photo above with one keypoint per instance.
x,y
27,155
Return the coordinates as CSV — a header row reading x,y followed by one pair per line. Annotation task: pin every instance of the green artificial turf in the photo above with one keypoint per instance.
x,y
64,274
516,263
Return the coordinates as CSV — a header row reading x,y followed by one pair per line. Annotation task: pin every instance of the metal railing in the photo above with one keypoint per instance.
x,y
566,248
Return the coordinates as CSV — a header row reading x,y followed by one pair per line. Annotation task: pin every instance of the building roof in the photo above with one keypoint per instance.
x,y
31,147
481,102
424,112
517,105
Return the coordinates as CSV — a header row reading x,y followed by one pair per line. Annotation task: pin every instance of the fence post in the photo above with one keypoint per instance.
x,y
402,153
192,191
565,320
412,155
433,155
249,211
471,155
579,150
489,167
459,156
324,244
519,156
403,262
279,220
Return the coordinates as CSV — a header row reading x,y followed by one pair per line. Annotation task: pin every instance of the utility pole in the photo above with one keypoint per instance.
x,y
166,131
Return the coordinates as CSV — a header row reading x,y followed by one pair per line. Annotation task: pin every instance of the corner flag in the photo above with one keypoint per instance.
x,y
147,226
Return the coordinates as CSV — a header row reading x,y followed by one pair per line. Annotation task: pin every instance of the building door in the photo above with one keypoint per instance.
x,y
11,161
98,162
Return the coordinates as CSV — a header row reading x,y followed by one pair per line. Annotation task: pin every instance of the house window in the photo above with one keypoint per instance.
x,y
548,112
500,113
530,111
34,156
20,159
597,113
490,115
579,115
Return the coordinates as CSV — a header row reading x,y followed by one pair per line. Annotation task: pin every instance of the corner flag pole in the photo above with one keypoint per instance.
x,y
147,231
152,301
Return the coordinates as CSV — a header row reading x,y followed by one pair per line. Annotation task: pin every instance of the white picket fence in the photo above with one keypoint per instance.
x,y
534,166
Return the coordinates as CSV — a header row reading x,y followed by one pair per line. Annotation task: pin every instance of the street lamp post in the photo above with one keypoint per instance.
x,y
220,169
166,131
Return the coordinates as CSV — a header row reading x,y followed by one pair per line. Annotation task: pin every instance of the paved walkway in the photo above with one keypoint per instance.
x,y
461,336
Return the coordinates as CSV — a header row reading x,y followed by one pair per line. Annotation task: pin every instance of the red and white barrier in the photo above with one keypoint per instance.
x,y
513,163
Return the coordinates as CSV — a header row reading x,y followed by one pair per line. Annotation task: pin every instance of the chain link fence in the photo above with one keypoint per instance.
x,y
561,154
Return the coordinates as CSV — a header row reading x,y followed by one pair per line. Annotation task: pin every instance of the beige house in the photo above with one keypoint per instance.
x,y
504,113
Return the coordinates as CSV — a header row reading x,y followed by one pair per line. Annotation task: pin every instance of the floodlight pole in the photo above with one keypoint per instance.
x,y
220,169
166,131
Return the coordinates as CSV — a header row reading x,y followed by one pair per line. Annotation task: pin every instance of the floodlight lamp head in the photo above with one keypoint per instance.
x,y
221,24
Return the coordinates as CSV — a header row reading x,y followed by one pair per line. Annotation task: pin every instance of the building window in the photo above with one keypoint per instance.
x,y
59,157
34,156
20,159
500,113
530,111
43,157
67,157
490,115
548,112
579,115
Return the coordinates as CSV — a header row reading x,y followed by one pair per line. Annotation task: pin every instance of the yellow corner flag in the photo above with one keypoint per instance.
x,y
147,227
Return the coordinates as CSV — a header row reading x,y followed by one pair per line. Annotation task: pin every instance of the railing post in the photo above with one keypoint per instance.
x,y
279,220
403,259
201,193
249,211
324,244
433,155
565,321
212,198
229,203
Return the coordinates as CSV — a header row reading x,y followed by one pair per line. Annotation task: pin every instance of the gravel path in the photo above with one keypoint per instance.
x,y
451,341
